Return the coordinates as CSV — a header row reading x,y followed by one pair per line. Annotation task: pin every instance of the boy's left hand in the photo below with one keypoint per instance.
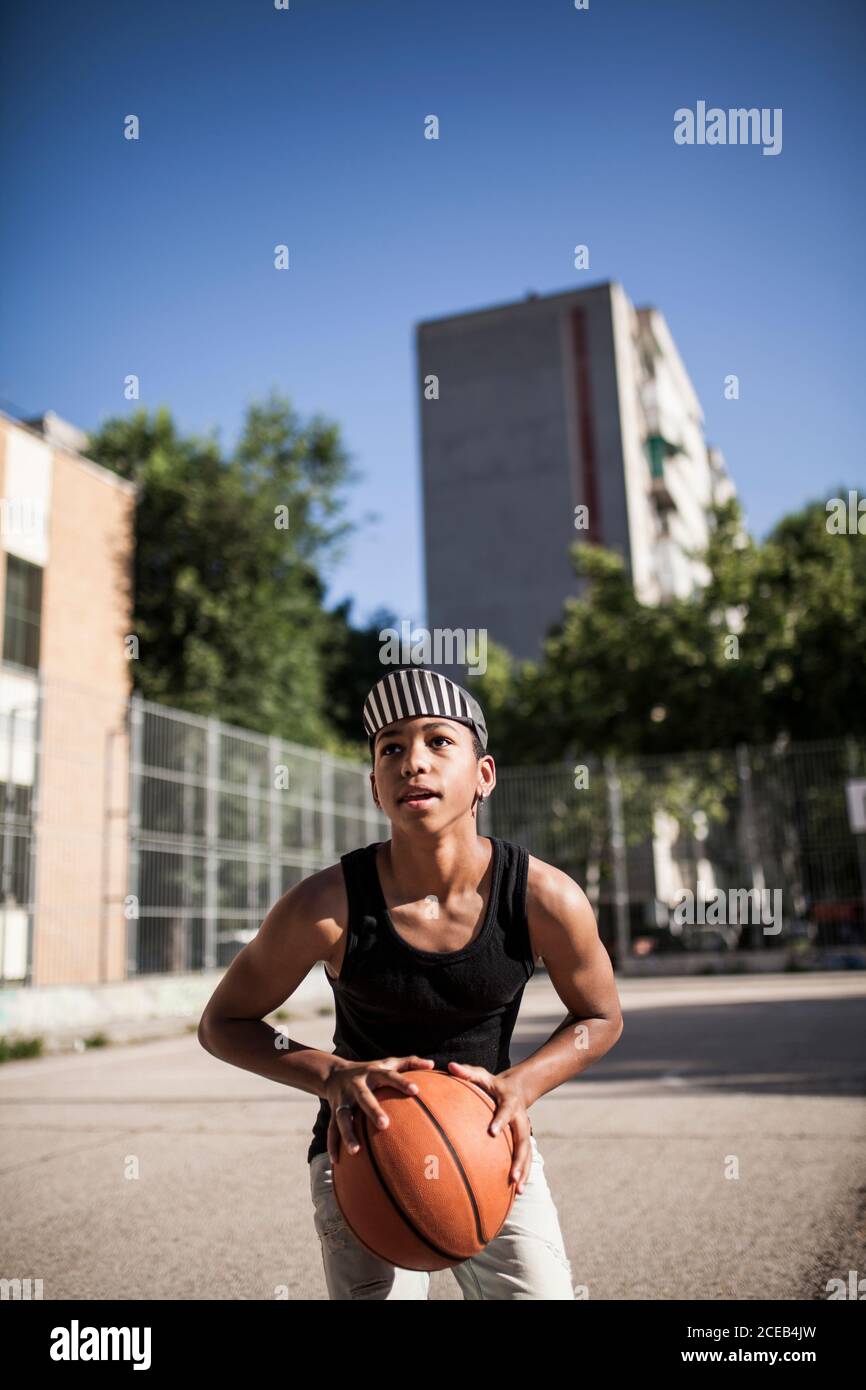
x,y
510,1110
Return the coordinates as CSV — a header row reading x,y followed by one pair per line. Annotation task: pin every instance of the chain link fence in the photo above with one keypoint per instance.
x,y
141,840
667,849
222,823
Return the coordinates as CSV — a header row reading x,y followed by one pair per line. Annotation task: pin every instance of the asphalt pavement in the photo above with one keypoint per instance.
x,y
716,1153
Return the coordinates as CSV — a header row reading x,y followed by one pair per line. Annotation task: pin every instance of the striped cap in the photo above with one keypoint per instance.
x,y
411,691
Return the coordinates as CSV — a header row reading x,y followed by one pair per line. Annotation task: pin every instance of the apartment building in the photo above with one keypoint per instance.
x,y
66,545
552,419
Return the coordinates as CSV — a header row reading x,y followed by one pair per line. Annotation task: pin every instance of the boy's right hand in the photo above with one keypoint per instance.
x,y
353,1084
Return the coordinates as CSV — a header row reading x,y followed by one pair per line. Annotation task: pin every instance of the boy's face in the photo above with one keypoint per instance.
x,y
429,752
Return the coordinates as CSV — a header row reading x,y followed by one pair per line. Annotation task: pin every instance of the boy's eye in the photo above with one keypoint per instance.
x,y
388,746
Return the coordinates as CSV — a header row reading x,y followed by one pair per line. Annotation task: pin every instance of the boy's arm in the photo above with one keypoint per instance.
x,y
303,927
565,935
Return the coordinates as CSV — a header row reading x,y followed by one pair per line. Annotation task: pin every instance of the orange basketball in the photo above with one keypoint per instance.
x,y
432,1189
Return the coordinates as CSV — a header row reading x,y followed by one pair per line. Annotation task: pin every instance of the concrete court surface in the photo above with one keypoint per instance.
x,y
766,1073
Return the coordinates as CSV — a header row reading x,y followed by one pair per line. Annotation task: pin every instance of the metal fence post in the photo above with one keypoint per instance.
x,y
853,766
136,720
275,824
327,772
749,847
105,865
371,823
620,867
35,803
211,885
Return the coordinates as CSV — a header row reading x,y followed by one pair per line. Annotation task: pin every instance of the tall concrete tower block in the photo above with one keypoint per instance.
x,y
558,418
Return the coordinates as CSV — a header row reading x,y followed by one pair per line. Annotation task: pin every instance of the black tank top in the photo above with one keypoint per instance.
x,y
392,999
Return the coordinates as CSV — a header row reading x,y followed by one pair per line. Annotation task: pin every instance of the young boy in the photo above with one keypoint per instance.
x,y
428,941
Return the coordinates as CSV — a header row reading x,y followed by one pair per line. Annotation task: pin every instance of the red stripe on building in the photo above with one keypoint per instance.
x,y
586,423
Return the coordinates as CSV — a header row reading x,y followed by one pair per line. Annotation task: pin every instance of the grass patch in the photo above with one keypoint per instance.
x,y
13,1049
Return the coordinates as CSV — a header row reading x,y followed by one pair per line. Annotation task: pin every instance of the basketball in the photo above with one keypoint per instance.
x,y
431,1189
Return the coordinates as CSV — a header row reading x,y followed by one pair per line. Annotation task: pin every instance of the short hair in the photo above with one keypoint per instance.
x,y
477,749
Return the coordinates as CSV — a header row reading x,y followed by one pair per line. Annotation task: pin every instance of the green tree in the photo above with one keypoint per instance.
x,y
767,652
227,595
353,667
769,648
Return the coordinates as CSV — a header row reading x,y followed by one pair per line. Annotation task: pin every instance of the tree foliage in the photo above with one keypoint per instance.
x,y
770,648
227,587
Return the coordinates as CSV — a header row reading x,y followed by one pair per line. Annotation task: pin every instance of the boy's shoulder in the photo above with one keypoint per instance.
x,y
551,891
323,892
544,877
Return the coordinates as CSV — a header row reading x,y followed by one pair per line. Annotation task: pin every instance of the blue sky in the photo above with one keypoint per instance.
x,y
305,126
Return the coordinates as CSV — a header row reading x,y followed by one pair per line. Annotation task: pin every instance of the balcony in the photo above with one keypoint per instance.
x,y
658,449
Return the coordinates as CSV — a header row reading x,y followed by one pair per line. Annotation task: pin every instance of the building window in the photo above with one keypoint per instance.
x,y
657,451
23,612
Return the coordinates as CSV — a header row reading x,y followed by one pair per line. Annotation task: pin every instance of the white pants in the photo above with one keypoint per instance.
x,y
526,1259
